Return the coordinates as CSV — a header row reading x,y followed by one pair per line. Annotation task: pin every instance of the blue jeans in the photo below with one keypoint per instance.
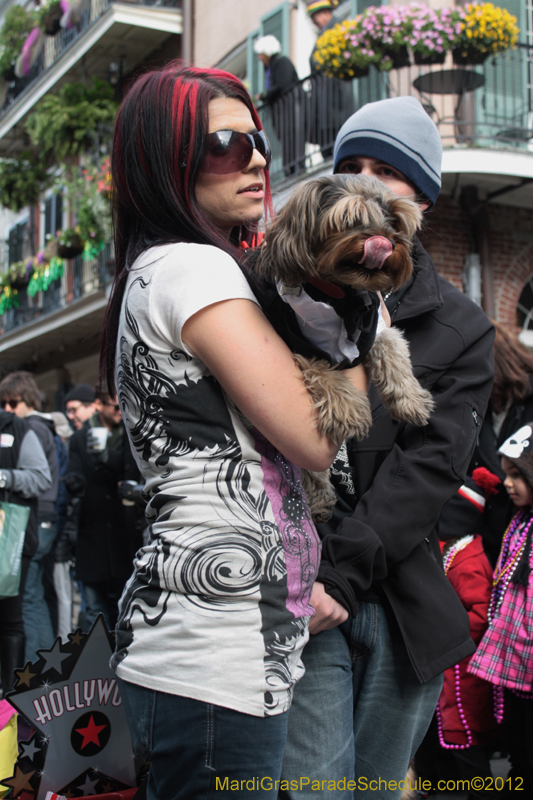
x,y
102,598
37,622
199,751
359,712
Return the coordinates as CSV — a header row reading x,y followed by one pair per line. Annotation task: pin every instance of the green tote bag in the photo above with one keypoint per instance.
x,y
13,522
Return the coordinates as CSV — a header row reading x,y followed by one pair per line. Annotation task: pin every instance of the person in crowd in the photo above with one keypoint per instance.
x,y
96,465
402,623
510,406
64,550
285,100
214,619
24,475
21,396
80,404
331,100
464,725
504,656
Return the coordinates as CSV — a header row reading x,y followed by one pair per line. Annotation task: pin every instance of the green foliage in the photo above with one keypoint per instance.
x,y
18,23
65,124
22,180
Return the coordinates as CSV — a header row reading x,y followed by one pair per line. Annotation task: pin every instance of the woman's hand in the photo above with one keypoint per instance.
x,y
328,612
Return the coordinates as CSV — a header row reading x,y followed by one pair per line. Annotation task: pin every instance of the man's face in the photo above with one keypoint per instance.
x,y
16,406
109,411
321,18
79,412
390,176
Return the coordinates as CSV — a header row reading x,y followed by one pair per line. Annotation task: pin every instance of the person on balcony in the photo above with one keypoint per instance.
x,y
372,680
282,96
214,619
331,100
20,395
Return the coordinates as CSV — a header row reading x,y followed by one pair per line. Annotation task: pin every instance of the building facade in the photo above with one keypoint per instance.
x,y
479,233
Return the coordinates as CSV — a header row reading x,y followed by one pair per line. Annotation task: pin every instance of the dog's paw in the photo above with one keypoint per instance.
x,y
413,404
390,369
320,494
343,411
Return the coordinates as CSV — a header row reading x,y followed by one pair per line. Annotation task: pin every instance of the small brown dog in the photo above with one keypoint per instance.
x,y
336,242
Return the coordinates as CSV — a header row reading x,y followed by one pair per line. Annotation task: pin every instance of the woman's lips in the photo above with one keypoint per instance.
x,y
255,190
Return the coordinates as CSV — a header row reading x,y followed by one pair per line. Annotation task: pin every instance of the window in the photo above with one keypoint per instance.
x,y
18,241
53,214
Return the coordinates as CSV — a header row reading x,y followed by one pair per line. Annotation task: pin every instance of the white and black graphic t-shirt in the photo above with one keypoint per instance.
x,y
218,605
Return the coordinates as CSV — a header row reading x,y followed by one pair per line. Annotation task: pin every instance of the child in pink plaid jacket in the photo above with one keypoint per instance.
x,y
505,654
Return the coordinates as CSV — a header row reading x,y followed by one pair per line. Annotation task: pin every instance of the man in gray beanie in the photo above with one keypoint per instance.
x,y
387,621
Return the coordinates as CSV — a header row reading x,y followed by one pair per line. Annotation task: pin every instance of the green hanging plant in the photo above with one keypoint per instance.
x,y
62,125
22,180
18,23
9,298
44,274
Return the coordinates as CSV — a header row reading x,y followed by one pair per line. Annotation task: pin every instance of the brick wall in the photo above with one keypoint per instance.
x,y
446,237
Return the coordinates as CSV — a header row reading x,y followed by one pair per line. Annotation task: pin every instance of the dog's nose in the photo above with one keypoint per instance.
x,y
376,251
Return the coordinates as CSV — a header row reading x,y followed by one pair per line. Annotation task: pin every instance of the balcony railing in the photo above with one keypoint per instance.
x,y
56,46
486,106
80,279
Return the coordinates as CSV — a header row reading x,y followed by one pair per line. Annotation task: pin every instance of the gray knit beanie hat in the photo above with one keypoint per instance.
x,y
399,132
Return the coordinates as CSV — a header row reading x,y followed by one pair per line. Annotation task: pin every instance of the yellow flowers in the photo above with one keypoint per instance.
x,y
489,28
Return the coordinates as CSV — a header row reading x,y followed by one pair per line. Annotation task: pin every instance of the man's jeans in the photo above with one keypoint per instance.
x,y
200,751
37,622
359,712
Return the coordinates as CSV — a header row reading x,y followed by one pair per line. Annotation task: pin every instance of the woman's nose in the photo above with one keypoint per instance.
x,y
257,161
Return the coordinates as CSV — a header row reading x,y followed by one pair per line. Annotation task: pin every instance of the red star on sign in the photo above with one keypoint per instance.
x,y
90,733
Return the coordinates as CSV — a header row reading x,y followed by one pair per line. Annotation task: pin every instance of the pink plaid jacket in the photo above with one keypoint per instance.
x,y
505,653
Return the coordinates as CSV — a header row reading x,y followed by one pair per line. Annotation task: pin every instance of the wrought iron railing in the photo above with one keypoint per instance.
x,y
56,45
80,278
489,105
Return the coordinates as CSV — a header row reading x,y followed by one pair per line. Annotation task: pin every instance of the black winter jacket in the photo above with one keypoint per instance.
x,y
106,541
282,77
383,539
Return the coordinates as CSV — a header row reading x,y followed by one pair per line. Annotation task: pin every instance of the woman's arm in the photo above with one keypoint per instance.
x,y
256,368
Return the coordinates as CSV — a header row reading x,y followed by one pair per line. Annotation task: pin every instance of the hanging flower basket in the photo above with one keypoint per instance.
x,y
395,59
49,16
70,245
432,58
468,55
486,29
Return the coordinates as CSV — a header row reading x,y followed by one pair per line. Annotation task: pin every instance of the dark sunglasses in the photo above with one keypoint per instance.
x,y
231,151
113,405
11,403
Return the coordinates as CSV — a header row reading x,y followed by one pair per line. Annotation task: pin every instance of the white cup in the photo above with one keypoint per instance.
x,y
98,439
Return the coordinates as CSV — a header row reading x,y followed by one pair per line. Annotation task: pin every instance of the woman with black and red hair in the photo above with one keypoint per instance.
x,y
214,618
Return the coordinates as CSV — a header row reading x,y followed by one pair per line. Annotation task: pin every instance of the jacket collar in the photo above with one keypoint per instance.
x,y
422,294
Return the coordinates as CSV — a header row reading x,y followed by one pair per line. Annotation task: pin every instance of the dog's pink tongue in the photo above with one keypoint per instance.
x,y
377,250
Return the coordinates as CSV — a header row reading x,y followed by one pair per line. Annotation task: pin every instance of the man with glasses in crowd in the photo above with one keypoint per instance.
x,y
99,458
80,405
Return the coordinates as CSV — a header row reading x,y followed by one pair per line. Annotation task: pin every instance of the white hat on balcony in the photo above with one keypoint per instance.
x,y
399,132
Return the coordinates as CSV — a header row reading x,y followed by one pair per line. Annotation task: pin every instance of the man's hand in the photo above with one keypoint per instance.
x,y
328,613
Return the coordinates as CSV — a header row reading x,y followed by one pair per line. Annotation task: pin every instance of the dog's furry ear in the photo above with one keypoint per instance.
x,y
286,252
408,215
